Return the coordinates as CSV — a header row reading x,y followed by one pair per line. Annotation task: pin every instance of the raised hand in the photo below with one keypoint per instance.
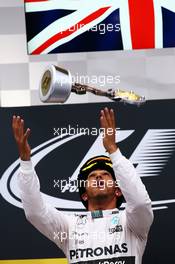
x,y
21,137
107,122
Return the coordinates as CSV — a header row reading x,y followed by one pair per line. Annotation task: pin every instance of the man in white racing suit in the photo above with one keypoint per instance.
x,y
104,234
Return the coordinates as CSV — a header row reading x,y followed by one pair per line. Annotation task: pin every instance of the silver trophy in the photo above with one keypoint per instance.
x,y
56,86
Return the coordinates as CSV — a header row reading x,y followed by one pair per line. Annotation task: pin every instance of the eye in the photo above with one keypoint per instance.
x,y
91,175
106,173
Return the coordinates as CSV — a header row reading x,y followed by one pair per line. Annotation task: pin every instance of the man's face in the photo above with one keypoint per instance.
x,y
100,184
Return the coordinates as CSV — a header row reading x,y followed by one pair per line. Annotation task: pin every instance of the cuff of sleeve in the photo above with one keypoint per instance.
x,y
116,156
26,166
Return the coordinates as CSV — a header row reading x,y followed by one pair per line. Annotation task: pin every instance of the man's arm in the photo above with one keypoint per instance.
x,y
139,214
49,221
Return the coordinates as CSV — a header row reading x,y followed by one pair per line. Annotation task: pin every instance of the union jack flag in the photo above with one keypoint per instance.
x,y
55,26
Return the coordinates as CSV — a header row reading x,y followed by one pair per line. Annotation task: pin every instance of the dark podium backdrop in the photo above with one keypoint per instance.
x,y
146,135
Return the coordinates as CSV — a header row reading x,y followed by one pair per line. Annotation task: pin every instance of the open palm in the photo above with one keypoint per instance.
x,y
21,137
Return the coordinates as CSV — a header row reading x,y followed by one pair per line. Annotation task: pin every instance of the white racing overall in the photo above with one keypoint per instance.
x,y
102,237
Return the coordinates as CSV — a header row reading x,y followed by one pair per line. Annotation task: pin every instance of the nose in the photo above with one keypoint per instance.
x,y
98,176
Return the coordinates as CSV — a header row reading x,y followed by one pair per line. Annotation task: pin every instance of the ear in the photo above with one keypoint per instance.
x,y
84,196
118,192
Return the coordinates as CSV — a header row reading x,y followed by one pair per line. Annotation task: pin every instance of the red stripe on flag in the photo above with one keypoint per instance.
x,y
30,1
142,23
71,30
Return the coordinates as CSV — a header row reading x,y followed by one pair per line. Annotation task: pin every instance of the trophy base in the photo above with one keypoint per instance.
x,y
55,85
